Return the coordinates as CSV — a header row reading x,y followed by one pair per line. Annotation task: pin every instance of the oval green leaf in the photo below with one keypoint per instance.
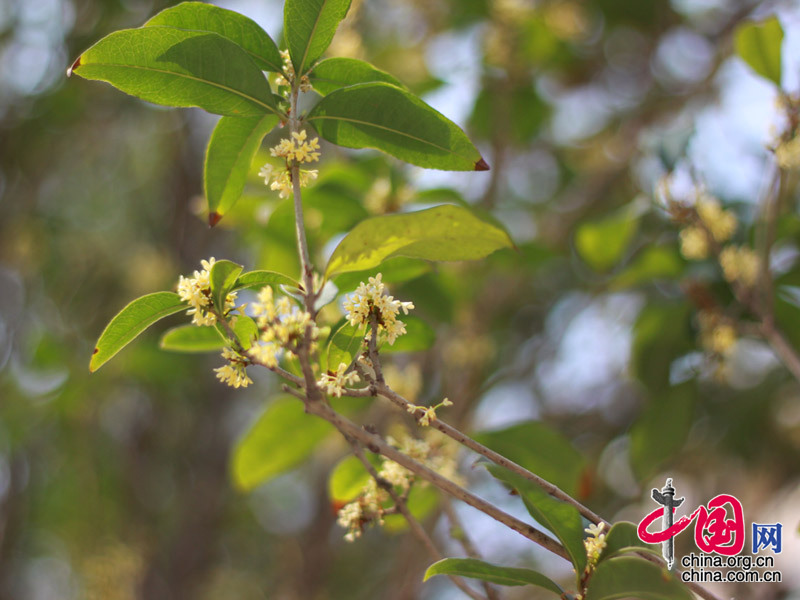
x,y
241,30
131,321
622,537
309,27
631,577
191,338
222,278
334,73
231,148
347,480
259,279
345,345
478,569
540,449
390,119
562,519
602,243
280,439
759,45
245,329
176,67
441,233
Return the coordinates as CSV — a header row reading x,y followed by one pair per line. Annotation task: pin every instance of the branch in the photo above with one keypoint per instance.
x,y
498,459
377,445
414,525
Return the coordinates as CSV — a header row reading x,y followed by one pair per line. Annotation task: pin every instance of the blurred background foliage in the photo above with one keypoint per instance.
x,y
118,486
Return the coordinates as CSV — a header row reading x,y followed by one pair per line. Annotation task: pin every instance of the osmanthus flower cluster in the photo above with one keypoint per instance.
x,y
595,543
295,151
371,298
282,326
196,291
374,503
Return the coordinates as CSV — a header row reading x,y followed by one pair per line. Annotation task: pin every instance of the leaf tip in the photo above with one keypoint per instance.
x,y
74,66
214,218
482,165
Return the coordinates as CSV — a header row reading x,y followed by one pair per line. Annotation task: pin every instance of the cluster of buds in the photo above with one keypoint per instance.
x,y
371,298
286,79
426,414
714,225
196,291
335,383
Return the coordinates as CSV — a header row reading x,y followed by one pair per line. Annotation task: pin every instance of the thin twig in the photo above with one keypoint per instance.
x,y
415,526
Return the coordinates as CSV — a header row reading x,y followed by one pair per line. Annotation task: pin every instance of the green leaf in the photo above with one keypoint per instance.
x,y
334,73
191,338
478,569
661,334
440,233
176,67
222,277
759,45
259,279
419,336
602,243
540,449
390,119
631,577
237,28
662,429
280,439
344,345
347,480
562,519
422,501
131,321
653,263
622,537
229,154
309,27
245,329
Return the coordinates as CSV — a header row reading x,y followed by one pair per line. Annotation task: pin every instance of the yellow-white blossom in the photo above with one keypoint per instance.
x,y
595,543
282,325
720,223
739,264
717,334
787,154
288,70
426,414
297,149
233,372
196,291
334,383
372,298
694,243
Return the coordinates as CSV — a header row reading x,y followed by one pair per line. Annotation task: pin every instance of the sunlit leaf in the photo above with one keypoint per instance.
x,y
191,338
441,233
540,449
559,517
245,330
309,27
334,73
131,321
631,577
653,263
279,440
222,278
177,67
231,148
259,279
241,30
390,119
478,569
347,480
345,345
395,270
759,45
